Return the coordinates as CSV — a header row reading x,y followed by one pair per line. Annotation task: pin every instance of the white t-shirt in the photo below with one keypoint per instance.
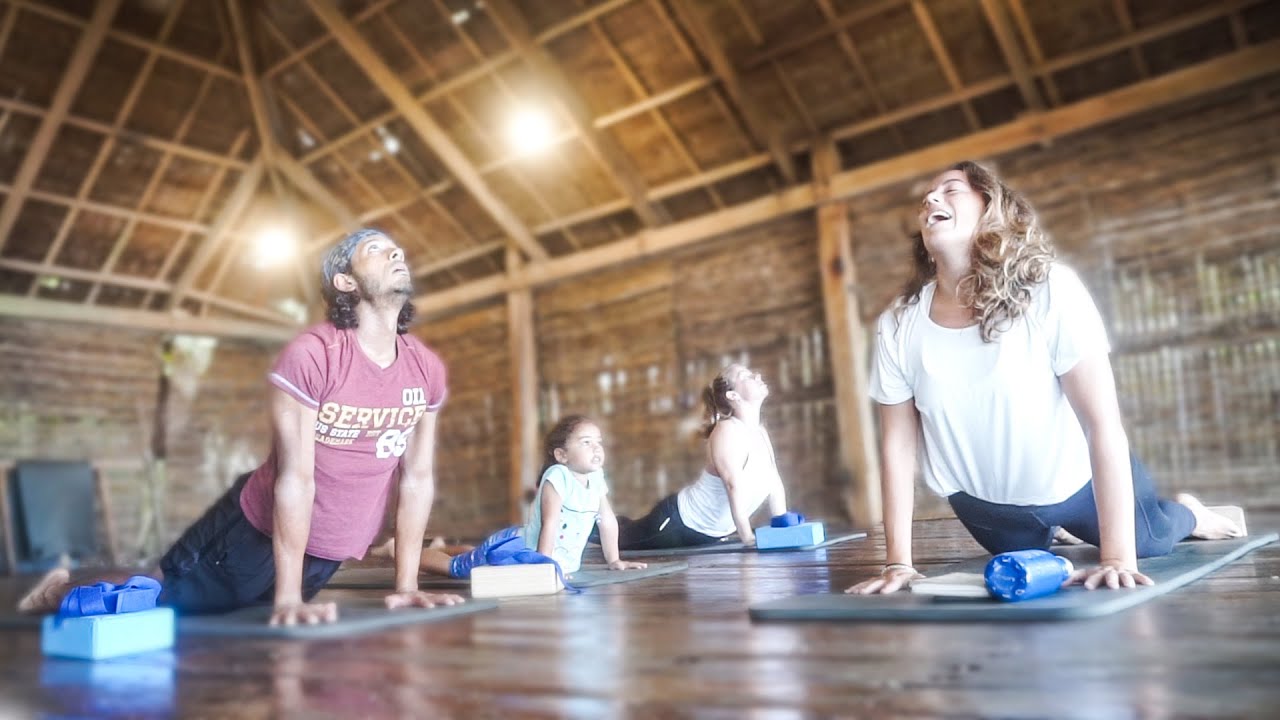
x,y
704,505
994,419
579,508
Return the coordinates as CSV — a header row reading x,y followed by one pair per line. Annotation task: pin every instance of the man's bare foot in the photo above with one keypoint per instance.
x,y
46,596
1209,525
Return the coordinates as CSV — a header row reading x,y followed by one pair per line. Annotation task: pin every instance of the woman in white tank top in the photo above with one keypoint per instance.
x,y
740,474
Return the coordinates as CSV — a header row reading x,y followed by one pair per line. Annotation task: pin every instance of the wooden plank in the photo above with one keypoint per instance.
x,y
758,122
599,142
29,308
1225,71
77,68
427,129
846,343
524,396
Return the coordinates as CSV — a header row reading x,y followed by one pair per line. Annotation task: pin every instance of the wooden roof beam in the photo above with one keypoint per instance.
x,y
1222,72
765,131
53,310
427,129
77,68
599,142
1012,52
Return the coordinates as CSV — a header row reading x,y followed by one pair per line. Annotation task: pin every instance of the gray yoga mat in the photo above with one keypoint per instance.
x,y
1188,562
353,619
384,578
726,546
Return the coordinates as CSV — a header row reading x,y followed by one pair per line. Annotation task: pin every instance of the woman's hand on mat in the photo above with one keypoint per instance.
x,y
418,598
302,613
1114,575
890,580
627,565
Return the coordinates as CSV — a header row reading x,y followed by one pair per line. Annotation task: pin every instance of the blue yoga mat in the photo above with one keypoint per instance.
x,y
1189,561
353,619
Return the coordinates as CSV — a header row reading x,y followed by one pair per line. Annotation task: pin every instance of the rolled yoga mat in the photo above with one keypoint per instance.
x,y
1189,561
353,619
384,578
728,546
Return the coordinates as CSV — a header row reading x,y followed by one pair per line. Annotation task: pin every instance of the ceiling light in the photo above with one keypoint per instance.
x,y
529,130
274,245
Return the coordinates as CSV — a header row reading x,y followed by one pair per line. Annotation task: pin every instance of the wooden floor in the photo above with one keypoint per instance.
x,y
682,646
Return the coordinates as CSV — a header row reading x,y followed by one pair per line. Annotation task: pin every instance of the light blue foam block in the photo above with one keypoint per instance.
x,y
95,637
802,535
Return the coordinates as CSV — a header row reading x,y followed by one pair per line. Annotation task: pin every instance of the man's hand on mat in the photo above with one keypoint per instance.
x,y
304,613
891,579
1113,575
627,565
418,598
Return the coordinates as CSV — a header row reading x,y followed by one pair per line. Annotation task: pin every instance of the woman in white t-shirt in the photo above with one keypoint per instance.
x,y
740,474
995,358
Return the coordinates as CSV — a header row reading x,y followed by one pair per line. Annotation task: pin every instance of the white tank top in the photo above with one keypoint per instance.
x,y
704,505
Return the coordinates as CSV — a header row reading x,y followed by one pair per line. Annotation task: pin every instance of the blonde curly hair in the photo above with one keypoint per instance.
x,y
1010,256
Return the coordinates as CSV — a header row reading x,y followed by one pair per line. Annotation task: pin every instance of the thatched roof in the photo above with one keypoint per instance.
x,y
134,171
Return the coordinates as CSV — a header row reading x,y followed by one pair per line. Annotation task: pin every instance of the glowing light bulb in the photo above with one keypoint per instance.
x,y
274,246
529,130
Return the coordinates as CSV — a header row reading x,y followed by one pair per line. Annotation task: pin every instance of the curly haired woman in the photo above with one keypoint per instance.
x,y
996,360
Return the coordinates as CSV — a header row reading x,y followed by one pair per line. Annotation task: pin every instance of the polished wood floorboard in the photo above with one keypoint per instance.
x,y
683,646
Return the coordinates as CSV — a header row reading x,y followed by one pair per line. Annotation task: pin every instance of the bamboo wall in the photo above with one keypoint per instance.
x,y
79,392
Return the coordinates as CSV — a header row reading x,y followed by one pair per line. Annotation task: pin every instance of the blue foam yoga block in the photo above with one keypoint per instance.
x,y
94,637
802,535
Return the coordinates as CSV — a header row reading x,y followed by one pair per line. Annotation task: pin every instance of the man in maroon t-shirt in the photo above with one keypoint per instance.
x,y
353,409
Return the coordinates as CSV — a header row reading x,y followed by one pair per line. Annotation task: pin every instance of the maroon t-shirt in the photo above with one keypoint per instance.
x,y
365,418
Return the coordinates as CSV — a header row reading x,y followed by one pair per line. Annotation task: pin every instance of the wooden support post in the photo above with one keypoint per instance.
x,y
846,343
524,393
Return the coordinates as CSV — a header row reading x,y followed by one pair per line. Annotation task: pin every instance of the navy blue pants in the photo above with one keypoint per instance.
x,y
661,529
223,562
1158,523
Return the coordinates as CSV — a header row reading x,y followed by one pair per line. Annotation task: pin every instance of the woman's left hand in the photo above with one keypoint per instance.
x,y
1113,575
627,565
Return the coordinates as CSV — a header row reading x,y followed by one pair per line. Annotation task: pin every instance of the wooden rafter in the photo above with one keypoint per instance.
x,y
930,30
143,319
219,231
1012,52
128,38
1033,47
855,60
426,128
132,136
761,126
1226,71
1126,21
77,68
312,128
600,143
108,145
840,24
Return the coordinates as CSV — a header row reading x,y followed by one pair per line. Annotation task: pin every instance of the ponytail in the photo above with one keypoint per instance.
x,y
715,397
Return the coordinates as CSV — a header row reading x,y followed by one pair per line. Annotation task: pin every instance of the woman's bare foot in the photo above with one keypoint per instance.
x,y
1062,537
386,549
46,596
1209,525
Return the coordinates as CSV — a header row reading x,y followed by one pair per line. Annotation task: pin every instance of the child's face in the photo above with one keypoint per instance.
x,y
583,452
